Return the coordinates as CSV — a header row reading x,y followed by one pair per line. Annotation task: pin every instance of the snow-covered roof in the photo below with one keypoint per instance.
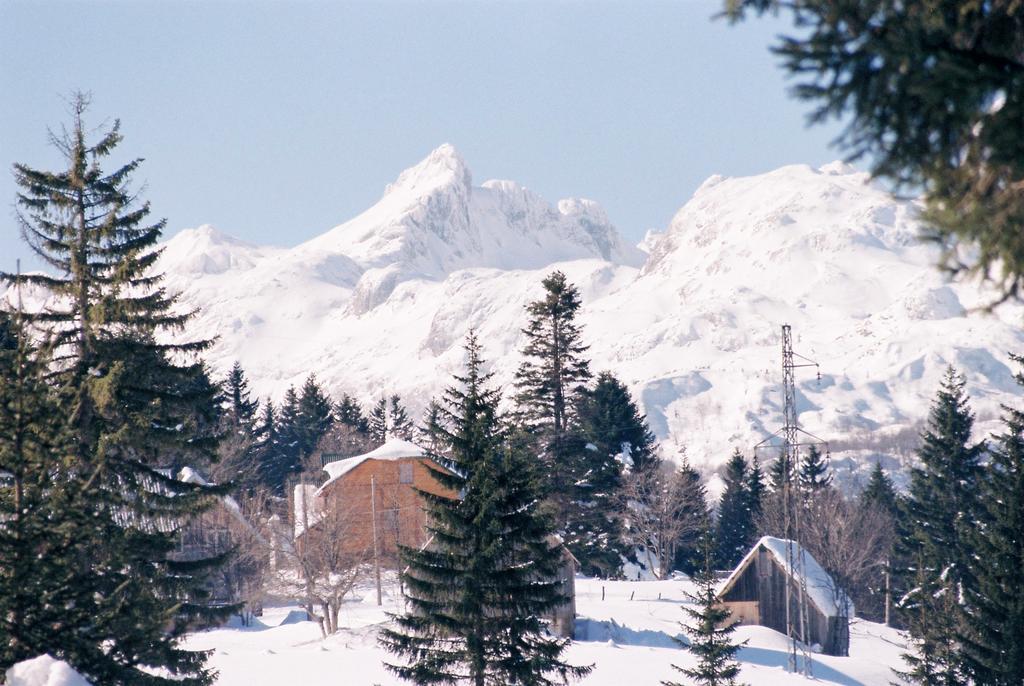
x,y
393,449
191,476
822,591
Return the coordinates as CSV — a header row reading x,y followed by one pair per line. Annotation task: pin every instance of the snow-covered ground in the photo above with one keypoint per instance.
x,y
628,636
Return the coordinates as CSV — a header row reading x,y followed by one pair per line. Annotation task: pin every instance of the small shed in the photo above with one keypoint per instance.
x,y
755,593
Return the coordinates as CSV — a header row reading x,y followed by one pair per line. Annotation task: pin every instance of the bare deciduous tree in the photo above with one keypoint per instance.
x,y
850,542
331,554
661,506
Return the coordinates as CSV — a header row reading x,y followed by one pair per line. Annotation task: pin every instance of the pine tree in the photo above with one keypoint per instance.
x,y
37,583
611,420
880,492
398,420
239,406
615,437
929,92
350,413
265,447
315,416
429,432
941,506
237,462
756,490
693,499
782,469
553,370
286,459
813,474
135,408
476,595
995,601
735,516
377,424
710,631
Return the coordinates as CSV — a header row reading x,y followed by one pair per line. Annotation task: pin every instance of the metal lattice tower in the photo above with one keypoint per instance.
x,y
792,438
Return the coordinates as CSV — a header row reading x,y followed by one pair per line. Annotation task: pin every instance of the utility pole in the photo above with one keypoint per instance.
x,y
376,545
791,433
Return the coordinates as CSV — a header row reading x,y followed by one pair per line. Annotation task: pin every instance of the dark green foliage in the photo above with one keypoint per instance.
x,y
553,366
813,473
136,406
693,503
995,601
880,492
548,381
610,419
782,469
315,416
756,490
377,424
399,424
934,94
736,528
238,462
429,432
477,593
615,435
285,460
239,406
942,505
350,413
265,446
710,631
35,582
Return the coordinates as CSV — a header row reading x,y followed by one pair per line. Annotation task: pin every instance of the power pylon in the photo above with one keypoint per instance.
x,y
793,438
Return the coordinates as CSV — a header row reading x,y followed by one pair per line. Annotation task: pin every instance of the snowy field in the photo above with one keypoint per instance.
x,y
628,636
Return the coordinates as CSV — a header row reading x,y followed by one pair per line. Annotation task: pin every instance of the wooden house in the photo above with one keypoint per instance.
x,y
378,492
755,593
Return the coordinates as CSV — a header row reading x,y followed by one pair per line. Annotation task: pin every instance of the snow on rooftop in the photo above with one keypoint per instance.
x,y
393,449
822,591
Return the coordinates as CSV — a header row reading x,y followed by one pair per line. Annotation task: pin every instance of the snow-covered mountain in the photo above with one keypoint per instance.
x,y
381,303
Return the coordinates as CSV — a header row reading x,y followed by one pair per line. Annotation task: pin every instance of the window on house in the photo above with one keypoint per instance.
x,y
405,472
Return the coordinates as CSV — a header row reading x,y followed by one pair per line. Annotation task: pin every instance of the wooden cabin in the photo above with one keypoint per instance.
x,y
382,483
386,482
755,593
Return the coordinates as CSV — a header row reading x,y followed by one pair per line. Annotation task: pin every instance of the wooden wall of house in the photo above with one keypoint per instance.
x,y
401,519
764,581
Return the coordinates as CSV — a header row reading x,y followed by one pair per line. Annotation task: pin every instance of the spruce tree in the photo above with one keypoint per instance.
x,y
477,593
992,638
552,371
782,469
136,405
930,92
879,497
756,489
398,420
880,491
735,515
610,419
239,405
428,433
315,416
265,447
237,461
37,582
377,423
349,412
286,459
693,502
941,506
710,631
812,473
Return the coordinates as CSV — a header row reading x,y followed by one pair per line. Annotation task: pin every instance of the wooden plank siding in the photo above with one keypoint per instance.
x,y
758,596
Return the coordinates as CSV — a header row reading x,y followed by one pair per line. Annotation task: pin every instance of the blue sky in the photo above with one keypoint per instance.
x,y
275,121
